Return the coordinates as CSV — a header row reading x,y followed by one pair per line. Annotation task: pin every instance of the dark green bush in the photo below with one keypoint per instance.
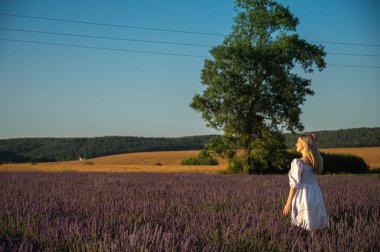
x,y
337,163
343,163
203,158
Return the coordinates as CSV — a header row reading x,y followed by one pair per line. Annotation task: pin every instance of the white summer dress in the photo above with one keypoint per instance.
x,y
308,208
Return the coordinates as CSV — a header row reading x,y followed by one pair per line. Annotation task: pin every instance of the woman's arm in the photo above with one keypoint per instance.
x,y
288,204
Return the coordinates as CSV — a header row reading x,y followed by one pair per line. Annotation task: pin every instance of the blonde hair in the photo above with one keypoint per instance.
x,y
312,152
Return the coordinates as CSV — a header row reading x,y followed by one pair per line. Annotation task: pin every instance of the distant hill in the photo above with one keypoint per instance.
x,y
61,149
343,138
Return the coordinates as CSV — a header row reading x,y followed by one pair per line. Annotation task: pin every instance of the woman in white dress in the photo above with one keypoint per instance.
x,y
305,202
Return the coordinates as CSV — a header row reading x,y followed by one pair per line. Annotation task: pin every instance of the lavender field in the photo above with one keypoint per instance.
x,y
178,212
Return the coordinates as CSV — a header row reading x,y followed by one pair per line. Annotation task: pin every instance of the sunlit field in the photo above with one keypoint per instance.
x,y
162,161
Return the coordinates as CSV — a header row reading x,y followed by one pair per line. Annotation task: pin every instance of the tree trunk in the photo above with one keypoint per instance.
x,y
248,158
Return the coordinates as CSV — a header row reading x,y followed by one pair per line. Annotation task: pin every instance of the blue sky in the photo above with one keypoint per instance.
x,y
57,91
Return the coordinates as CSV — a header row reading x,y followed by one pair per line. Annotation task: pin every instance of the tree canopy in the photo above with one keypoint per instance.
x,y
252,91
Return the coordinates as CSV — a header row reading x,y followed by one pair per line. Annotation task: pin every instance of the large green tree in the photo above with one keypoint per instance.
x,y
252,89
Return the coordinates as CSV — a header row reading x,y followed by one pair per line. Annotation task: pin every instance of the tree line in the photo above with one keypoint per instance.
x,y
62,149
342,138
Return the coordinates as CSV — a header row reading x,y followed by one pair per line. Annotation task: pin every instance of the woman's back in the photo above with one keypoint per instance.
x,y
308,176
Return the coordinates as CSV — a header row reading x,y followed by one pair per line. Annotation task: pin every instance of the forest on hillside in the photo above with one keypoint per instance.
x,y
62,149
343,138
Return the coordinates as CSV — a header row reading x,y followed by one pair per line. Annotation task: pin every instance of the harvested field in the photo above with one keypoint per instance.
x,y
132,162
52,167
148,158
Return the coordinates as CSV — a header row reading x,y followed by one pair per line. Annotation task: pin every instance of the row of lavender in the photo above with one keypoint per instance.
x,y
178,212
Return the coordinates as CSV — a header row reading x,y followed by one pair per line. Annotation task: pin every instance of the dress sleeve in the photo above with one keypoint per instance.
x,y
295,173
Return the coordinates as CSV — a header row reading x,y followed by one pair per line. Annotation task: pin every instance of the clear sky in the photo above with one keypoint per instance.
x,y
61,91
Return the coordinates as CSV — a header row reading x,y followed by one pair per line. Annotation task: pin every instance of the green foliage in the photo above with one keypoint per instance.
x,y
251,87
236,165
11,157
268,153
341,163
203,158
221,146
62,149
343,138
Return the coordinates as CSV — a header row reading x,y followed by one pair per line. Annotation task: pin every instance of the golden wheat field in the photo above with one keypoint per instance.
x,y
170,162
132,162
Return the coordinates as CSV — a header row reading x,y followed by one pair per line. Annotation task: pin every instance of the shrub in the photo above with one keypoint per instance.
x,y
337,163
89,163
235,165
158,164
343,163
203,158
